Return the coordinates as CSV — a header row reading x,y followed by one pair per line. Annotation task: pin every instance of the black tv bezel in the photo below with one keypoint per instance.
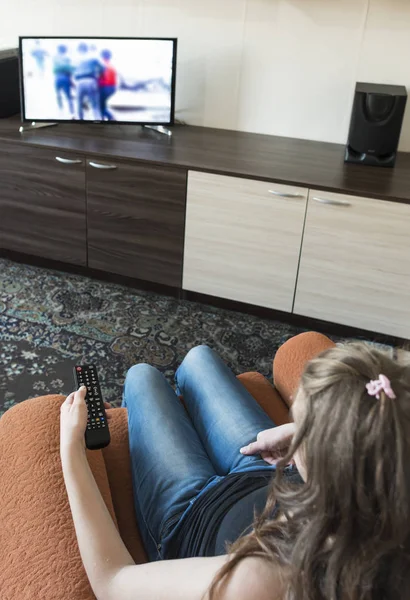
x,y
91,121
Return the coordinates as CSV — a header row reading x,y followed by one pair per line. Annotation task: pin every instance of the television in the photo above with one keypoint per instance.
x,y
95,79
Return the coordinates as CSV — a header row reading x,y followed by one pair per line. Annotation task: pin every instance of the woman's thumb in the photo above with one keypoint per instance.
x,y
80,395
252,448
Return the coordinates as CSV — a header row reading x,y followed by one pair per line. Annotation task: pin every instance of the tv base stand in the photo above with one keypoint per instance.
x,y
35,125
159,129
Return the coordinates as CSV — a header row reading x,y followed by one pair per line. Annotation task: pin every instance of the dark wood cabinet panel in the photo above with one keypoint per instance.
x,y
136,220
42,203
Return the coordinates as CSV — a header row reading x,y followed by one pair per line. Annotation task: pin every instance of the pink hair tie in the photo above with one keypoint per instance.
x,y
382,384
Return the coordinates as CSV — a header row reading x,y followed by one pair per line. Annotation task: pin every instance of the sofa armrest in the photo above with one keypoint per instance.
x,y
291,358
266,396
39,555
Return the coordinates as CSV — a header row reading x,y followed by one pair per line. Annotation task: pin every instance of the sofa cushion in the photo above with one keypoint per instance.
x,y
39,554
265,394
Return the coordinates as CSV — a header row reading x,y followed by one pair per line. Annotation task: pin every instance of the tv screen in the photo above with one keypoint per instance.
x,y
98,79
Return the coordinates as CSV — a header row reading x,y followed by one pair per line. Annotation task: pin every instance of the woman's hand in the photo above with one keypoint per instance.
x,y
271,444
73,420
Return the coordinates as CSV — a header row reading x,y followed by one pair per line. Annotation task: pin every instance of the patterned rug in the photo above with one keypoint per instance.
x,y
52,320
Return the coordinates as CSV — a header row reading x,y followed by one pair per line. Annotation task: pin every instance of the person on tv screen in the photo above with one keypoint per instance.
x,y
107,84
39,55
63,69
86,77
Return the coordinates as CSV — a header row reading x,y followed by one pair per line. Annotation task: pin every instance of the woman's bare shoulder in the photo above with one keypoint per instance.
x,y
255,578
190,578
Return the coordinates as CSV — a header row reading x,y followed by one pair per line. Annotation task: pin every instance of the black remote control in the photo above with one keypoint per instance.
x,y
97,434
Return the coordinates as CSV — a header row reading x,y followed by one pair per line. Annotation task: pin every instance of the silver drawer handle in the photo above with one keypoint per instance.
x,y
285,195
102,166
332,202
69,161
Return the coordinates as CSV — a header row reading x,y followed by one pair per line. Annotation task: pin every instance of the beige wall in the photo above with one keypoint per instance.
x,y
285,67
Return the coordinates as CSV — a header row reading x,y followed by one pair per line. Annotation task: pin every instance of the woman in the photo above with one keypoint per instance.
x,y
343,535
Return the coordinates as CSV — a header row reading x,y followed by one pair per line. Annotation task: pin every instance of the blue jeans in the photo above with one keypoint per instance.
x,y
176,457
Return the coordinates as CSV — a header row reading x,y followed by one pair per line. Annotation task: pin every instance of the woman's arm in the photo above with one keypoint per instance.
x,y
110,568
102,551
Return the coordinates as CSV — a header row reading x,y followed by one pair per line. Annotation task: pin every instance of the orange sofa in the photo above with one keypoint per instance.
x,y
39,556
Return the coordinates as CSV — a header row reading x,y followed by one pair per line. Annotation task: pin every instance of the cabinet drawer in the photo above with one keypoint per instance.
x,y
242,239
355,263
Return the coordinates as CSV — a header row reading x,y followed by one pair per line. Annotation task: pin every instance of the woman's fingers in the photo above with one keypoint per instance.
x,y
79,396
267,457
68,401
252,448
107,406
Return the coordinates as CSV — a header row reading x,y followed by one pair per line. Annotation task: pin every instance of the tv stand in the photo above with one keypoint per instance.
x,y
159,129
35,125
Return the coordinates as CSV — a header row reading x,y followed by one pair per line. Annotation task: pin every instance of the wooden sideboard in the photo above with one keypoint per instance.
x,y
265,221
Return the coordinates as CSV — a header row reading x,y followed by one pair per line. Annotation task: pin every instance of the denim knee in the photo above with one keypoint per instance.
x,y
138,377
142,370
199,352
142,374
195,361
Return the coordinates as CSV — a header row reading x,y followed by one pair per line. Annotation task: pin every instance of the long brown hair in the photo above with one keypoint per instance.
x,y
345,533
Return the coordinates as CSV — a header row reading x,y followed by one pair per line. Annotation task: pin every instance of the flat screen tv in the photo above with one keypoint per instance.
x,y
120,80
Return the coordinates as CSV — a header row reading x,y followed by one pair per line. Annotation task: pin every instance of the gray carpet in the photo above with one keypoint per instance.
x,y
52,320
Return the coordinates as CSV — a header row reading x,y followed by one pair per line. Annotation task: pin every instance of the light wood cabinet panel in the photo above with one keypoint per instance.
x,y
242,239
355,263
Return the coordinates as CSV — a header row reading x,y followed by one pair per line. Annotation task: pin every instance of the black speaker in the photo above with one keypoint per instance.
x,y
375,126
9,88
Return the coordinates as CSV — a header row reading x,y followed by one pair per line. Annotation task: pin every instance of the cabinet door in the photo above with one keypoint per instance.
x,y
136,215
42,203
243,239
355,264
